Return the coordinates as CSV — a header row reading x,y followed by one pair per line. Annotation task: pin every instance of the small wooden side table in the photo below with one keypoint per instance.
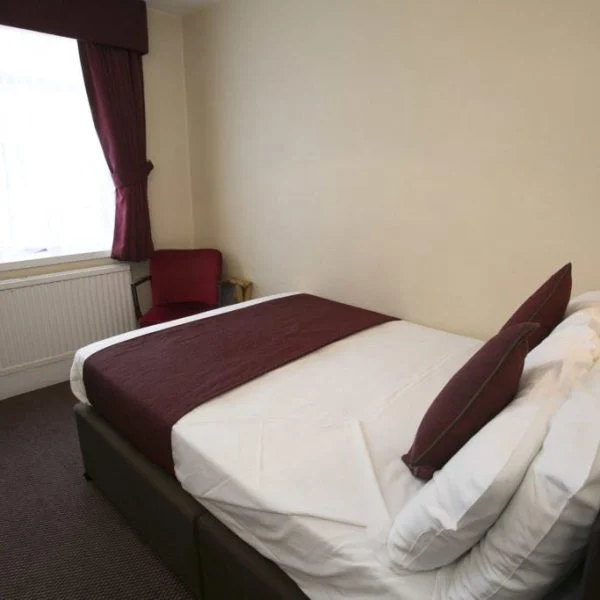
x,y
242,288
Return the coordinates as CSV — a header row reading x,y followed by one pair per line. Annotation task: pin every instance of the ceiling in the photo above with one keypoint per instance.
x,y
179,7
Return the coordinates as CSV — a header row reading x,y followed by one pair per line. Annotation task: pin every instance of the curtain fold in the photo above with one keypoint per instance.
x,y
115,87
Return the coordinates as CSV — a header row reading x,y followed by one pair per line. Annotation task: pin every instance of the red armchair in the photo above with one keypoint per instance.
x,y
184,283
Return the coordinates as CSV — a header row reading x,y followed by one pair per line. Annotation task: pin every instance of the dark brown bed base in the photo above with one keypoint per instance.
x,y
210,560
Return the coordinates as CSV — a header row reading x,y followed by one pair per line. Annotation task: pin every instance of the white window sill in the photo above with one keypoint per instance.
x,y
54,259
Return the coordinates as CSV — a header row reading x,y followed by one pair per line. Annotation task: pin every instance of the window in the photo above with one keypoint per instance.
x,y
56,192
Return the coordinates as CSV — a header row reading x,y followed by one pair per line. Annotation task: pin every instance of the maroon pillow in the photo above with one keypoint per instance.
x,y
474,396
545,306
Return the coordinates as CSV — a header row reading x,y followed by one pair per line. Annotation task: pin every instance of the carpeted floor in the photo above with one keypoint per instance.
x,y
59,538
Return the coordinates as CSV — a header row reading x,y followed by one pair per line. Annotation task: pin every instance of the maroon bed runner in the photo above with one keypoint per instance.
x,y
144,385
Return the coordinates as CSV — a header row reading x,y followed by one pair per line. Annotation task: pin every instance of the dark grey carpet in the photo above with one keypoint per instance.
x,y
60,539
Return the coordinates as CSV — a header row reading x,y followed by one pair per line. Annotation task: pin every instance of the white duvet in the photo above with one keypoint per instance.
x,y
304,463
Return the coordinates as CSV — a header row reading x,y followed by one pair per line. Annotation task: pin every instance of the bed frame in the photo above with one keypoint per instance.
x,y
211,561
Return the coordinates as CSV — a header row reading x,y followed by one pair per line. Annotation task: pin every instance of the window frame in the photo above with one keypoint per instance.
x,y
59,254
52,259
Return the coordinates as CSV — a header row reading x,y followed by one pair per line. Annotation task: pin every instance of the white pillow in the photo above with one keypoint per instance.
x,y
546,525
573,346
587,300
453,511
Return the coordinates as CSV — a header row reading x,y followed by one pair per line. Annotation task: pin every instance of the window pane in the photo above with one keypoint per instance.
x,y
56,192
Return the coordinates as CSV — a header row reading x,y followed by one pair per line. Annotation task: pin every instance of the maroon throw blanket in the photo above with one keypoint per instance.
x,y
144,385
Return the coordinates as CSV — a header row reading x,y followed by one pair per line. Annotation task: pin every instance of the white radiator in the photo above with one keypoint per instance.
x,y
45,319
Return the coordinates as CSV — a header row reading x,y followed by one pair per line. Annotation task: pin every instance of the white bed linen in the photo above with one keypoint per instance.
x,y
304,463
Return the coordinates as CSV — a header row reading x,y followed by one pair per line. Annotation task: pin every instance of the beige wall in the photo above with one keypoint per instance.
x,y
166,115
433,159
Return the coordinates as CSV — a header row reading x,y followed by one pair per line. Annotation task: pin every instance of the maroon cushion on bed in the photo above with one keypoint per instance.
x,y
474,396
546,306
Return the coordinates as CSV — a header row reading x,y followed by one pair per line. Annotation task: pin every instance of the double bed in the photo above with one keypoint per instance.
x,y
284,486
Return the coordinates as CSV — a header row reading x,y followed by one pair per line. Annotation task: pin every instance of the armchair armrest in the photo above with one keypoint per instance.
x,y
134,294
242,288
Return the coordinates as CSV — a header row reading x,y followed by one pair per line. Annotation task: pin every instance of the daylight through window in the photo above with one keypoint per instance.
x,y
56,193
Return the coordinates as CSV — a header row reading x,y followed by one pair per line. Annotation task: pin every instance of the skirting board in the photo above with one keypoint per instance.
x,y
35,377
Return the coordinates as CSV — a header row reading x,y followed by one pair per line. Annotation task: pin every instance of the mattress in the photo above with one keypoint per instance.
x,y
304,463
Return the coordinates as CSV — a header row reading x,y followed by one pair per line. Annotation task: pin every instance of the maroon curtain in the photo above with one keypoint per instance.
x,y
115,88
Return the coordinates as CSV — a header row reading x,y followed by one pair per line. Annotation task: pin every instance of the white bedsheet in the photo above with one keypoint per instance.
x,y
304,463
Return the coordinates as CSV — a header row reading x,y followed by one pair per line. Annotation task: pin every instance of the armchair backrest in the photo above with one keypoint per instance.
x,y
186,276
